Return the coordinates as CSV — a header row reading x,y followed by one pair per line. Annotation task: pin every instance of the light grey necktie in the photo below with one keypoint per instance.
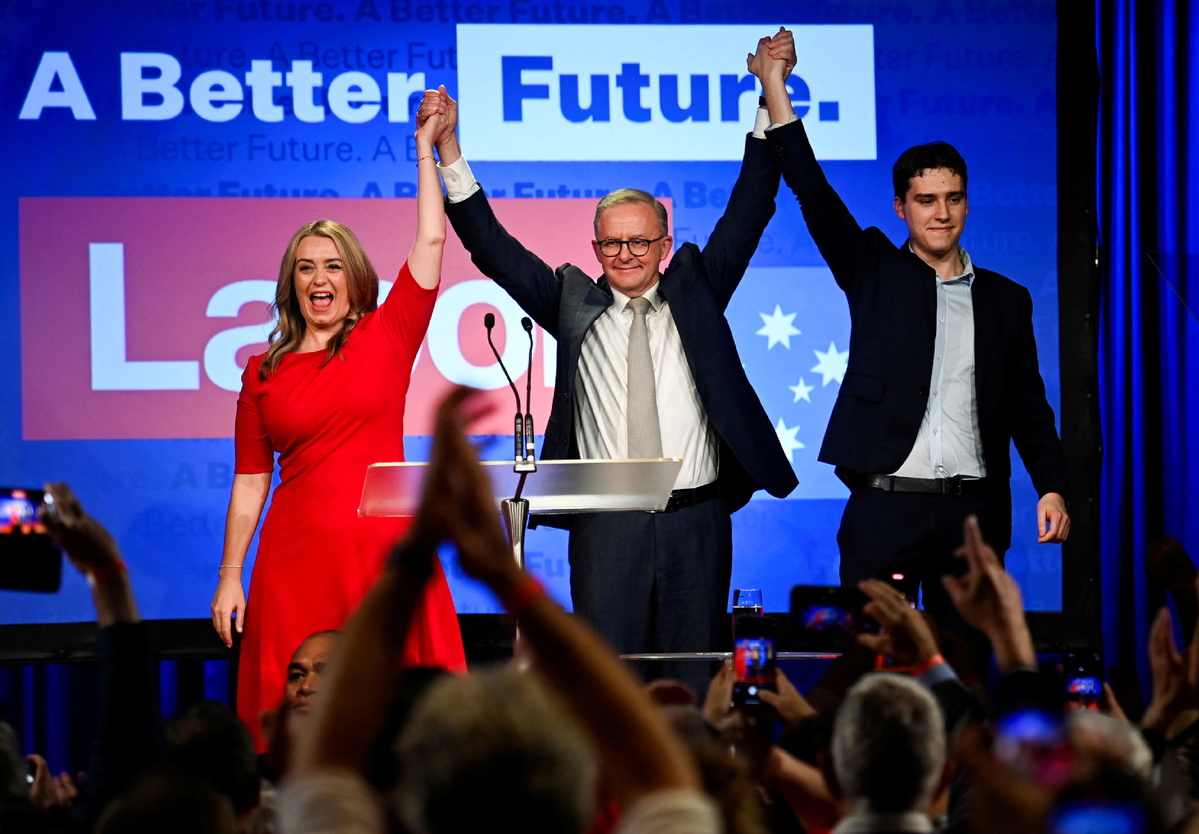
x,y
645,437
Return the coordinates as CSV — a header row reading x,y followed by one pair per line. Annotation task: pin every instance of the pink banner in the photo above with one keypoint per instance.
x,y
137,315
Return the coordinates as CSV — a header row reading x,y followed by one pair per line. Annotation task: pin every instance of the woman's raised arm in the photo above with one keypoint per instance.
x,y
424,260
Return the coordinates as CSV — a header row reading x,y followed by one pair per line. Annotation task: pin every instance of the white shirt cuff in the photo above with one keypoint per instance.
x,y
761,122
793,118
458,180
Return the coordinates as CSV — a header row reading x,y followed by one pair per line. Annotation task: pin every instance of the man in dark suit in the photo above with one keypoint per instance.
x,y
648,582
942,373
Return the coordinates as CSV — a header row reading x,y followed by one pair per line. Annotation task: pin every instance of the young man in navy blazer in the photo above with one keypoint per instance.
x,y
942,374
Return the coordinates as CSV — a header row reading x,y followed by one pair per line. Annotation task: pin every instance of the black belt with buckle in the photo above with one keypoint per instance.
x,y
681,498
957,485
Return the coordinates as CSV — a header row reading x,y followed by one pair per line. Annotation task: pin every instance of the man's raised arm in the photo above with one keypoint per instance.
x,y
498,255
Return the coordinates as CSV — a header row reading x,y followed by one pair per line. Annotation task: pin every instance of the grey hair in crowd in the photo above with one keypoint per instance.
x,y
888,745
494,746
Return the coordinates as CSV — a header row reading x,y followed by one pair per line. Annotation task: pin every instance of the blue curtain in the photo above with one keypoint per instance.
x,y
53,705
1149,352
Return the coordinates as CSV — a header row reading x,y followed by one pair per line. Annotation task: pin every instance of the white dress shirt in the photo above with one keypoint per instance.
x,y
601,392
949,443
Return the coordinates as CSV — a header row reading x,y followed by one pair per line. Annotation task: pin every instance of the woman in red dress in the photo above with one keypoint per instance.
x,y
328,398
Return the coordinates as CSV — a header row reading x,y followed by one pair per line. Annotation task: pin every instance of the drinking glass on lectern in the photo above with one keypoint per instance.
x,y
747,602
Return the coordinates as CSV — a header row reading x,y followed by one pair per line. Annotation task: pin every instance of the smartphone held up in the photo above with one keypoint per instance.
x,y
753,659
29,560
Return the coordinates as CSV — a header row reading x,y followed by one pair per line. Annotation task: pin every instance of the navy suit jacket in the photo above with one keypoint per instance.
x,y
892,307
697,285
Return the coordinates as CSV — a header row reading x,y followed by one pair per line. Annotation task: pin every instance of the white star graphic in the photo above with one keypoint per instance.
x,y
832,364
787,439
778,328
801,391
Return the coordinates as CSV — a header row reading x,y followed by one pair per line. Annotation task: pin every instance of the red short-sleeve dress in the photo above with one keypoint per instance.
x,y
316,557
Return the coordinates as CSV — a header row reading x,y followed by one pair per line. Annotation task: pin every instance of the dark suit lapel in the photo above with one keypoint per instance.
x,y
583,301
928,290
985,306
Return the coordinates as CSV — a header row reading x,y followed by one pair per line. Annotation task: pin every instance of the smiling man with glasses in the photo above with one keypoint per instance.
x,y
647,368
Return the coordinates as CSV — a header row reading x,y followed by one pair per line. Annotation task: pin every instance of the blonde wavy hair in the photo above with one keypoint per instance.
x,y
362,284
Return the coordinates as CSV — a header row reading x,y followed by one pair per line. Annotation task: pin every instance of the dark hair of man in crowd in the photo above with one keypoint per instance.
x,y
383,769
726,778
928,157
208,742
159,803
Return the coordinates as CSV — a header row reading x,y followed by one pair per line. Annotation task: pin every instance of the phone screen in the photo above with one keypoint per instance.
x,y
1083,693
826,618
1098,816
18,512
29,561
753,659
1084,679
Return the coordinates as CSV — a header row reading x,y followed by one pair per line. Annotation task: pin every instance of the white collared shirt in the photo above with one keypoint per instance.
x,y
601,392
949,443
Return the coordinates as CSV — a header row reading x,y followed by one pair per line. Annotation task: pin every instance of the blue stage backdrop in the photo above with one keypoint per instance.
x,y
159,154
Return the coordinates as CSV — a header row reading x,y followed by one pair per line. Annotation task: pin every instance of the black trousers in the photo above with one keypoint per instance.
x,y
656,582
884,533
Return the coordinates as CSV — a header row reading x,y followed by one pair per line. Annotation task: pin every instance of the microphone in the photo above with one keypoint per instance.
x,y
530,444
489,322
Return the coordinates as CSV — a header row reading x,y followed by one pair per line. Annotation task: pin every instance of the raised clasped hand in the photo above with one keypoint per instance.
x,y
774,58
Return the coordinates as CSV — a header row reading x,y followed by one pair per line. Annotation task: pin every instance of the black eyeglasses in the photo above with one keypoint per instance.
x,y
638,246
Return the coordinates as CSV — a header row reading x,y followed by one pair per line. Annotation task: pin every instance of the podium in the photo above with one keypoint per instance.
x,y
554,487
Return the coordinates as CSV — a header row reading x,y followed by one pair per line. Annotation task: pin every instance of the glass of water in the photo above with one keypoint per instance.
x,y
747,602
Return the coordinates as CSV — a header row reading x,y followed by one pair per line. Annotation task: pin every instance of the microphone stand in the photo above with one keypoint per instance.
x,y
516,509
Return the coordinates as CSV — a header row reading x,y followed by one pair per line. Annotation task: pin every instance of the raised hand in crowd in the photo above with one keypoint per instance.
x,y
906,636
93,552
457,503
718,700
1175,698
989,599
47,789
786,700
1110,705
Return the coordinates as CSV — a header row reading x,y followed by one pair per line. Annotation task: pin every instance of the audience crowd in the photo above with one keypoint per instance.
x,y
893,738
